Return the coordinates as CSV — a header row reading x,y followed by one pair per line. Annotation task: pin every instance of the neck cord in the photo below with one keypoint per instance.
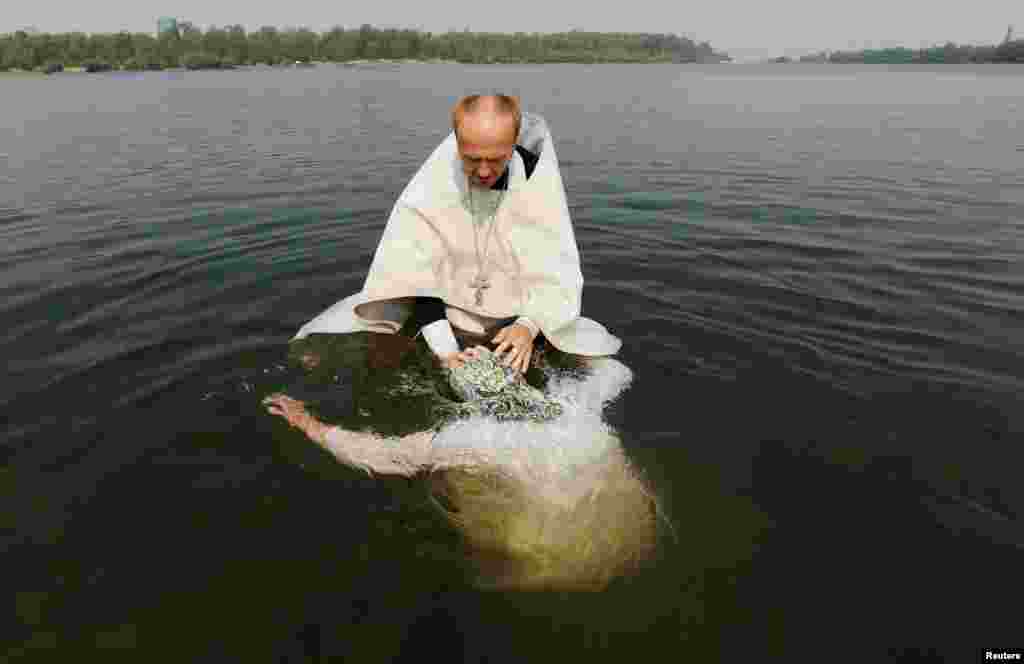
x,y
481,281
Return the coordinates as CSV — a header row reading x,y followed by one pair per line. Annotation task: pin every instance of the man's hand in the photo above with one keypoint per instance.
x,y
455,360
516,342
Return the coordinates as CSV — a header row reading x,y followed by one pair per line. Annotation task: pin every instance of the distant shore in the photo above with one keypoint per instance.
x,y
407,61
20,73
180,43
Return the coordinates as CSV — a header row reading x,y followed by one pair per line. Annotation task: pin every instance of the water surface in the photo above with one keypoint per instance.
x,y
816,272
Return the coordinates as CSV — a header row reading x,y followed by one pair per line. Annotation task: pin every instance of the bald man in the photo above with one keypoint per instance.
x,y
486,129
481,237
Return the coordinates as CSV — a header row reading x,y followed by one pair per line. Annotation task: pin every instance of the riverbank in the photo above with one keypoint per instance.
x,y
23,73
19,73
398,62
306,65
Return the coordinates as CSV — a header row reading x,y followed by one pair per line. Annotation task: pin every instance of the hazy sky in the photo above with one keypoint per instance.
x,y
743,28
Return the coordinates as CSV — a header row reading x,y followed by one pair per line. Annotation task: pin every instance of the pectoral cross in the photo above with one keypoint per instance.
x,y
480,284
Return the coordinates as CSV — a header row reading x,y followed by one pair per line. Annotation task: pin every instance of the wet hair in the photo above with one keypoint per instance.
x,y
521,535
505,105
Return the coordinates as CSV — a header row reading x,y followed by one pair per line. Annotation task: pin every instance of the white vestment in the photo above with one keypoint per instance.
x,y
427,250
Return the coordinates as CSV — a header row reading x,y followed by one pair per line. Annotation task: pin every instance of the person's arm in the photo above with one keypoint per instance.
x,y
376,455
372,454
445,346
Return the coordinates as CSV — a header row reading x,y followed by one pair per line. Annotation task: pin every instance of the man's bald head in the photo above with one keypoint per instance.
x,y
486,130
491,114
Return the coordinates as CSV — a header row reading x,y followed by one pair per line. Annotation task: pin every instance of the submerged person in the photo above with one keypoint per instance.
x,y
481,237
539,487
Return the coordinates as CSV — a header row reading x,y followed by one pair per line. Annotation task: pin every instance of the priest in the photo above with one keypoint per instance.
x,y
482,238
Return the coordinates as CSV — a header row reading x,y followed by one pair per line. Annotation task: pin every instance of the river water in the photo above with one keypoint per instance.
x,y
817,272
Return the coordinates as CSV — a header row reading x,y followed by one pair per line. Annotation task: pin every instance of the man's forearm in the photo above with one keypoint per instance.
x,y
377,455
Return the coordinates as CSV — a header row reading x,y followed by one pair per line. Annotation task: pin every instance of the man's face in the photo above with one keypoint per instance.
x,y
486,143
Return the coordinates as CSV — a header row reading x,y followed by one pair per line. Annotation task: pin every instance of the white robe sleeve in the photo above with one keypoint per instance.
x,y
376,455
530,325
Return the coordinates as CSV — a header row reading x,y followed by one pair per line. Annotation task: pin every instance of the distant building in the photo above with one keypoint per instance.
x,y
167,25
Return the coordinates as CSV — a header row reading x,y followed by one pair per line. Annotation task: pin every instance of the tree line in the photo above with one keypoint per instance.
x,y
190,46
950,53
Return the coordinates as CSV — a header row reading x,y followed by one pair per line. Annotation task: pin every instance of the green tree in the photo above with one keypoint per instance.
x,y
367,35
215,42
339,45
46,49
78,48
167,50
191,40
238,45
122,47
5,52
265,45
305,45
20,51
194,47
145,50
